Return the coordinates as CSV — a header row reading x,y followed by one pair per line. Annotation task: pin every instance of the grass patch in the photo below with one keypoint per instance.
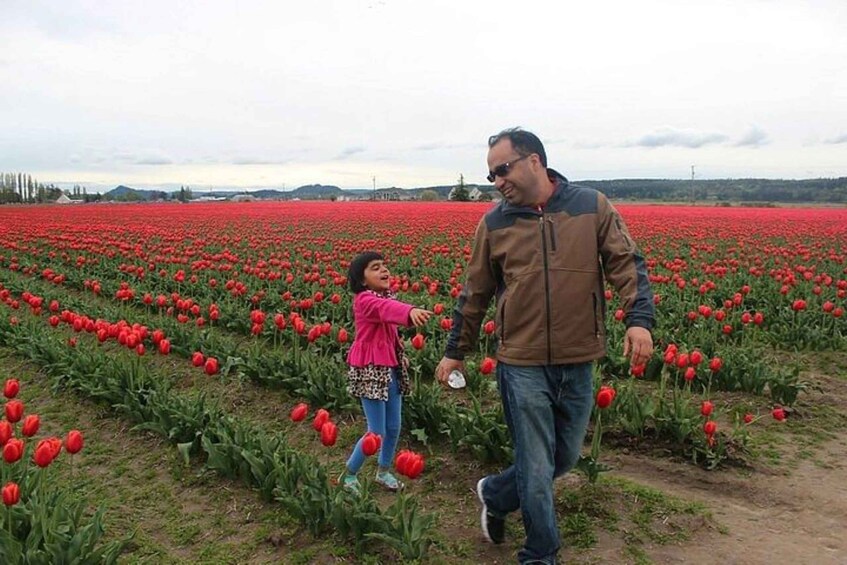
x,y
635,513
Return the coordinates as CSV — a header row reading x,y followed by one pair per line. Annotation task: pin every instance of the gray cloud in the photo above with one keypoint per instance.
x,y
754,137
837,139
667,136
258,161
154,161
349,151
437,145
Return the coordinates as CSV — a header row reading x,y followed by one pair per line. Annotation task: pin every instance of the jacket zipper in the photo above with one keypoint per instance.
x,y
546,289
552,234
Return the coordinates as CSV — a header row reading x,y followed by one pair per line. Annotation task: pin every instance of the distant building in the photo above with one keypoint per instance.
x,y
474,194
63,199
243,198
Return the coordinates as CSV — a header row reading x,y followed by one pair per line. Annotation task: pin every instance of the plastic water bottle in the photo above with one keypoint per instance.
x,y
456,379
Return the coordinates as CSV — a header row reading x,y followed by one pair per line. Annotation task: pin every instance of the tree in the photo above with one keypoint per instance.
x,y
460,193
429,195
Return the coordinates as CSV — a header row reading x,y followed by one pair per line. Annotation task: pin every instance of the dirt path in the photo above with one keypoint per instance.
x,y
798,516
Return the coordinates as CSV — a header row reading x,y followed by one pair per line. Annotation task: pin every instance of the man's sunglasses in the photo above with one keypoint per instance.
x,y
503,170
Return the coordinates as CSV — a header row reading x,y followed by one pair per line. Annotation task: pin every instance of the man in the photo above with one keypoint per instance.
x,y
544,251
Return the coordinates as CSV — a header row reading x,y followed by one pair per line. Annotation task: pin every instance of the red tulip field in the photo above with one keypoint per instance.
x,y
175,390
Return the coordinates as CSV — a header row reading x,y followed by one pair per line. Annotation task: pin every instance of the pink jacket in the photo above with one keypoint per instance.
x,y
376,339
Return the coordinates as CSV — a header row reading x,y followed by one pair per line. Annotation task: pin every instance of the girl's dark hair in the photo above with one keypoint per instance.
x,y
356,271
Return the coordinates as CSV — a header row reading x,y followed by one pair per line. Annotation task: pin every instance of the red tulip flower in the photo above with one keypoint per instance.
x,y
409,463
321,418
164,346
299,412
371,443
6,432
710,428
489,327
343,336
43,455
14,410
638,370
715,364
486,366
74,441
11,388
30,426
13,450
605,397
329,433
778,414
211,366
197,359
418,341
401,461
11,494
748,418
706,408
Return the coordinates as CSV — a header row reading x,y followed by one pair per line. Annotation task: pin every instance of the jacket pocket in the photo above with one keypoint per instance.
x,y
596,317
503,322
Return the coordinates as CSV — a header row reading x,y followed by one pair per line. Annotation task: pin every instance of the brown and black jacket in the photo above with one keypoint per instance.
x,y
547,267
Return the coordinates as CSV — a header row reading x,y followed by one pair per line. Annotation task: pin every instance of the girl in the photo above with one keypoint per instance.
x,y
377,367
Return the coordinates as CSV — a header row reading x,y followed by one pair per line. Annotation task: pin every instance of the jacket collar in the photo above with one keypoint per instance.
x,y
555,198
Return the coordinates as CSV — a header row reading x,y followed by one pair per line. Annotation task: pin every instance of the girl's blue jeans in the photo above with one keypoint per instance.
x,y
383,418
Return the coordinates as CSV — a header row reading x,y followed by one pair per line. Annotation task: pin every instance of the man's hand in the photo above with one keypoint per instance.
x,y
637,345
419,316
445,367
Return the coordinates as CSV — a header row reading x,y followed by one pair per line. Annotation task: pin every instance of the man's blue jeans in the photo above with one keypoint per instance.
x,y
547,410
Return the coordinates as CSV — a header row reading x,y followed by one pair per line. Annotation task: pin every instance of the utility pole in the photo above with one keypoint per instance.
x,y
692,185
374,181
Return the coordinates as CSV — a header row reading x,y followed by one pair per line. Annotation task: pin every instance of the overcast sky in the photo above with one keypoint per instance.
x,y
224,93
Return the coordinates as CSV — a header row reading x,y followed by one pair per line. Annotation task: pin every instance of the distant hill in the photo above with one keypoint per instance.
x,y
126,193
832,190
311,191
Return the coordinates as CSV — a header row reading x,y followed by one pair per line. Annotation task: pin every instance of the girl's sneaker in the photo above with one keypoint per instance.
x,y
389,481
350,483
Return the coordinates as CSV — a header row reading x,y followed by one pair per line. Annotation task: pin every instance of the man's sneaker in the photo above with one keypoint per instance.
x,y
389,481
493,528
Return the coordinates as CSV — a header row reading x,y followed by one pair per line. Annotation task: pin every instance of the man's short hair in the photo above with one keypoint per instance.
x,y
524,142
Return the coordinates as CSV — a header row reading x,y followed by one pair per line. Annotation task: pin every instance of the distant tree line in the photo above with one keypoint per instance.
x,y
22,188
751,190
